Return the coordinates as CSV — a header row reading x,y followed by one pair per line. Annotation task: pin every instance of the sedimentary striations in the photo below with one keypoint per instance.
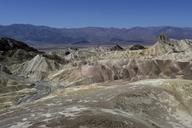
x,y
96,87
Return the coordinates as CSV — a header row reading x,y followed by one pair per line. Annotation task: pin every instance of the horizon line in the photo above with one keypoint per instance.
x,y
115,27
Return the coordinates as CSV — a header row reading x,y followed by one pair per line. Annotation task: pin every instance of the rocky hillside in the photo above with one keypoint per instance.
x,y
37,68
7,44
13,51
97,87
21,67
160,103
167,45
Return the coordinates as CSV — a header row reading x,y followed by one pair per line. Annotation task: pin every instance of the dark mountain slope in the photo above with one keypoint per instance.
x,y
13,51
7,44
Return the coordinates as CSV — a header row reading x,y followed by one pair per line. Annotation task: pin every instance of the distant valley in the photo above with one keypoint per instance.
x,y
41,36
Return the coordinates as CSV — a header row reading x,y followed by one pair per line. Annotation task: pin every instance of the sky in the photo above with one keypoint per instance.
x,y
97,13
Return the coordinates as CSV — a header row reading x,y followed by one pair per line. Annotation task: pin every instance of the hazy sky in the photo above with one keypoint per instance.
x,y
98,13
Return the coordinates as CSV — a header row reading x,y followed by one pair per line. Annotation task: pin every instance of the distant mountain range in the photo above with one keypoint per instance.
x,y
43,35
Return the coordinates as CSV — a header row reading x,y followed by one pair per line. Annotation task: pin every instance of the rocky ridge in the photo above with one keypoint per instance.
x,y
99,87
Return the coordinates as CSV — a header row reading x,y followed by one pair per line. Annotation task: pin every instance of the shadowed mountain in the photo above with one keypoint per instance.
x,y
41,35
13,51
7,44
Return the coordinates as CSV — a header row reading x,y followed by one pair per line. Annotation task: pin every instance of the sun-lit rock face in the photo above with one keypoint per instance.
x,y
167,58
129,69
97,87
155,103
37,69
169,46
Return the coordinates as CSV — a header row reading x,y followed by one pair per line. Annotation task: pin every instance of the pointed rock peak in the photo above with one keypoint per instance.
x,y
163,38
